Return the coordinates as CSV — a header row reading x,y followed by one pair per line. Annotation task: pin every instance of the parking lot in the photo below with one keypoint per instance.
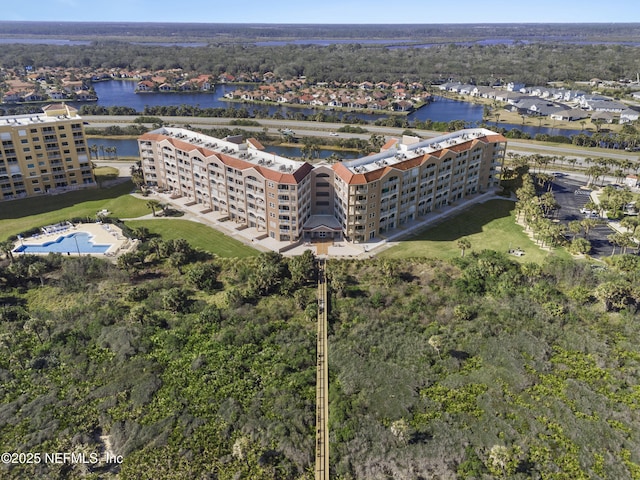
x,y
564,189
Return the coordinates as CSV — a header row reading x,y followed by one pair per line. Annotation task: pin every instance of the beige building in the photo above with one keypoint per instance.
x,y
289,200
410,178
43,153
238,179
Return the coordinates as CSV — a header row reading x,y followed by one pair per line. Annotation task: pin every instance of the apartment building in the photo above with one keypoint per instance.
x,y
410,178
43,153
237,179
290,200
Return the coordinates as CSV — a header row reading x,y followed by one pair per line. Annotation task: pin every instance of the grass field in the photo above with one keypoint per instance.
x,y
198,235
20,215
489,225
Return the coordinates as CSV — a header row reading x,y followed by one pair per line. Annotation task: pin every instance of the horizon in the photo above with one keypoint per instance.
x,y
318,24
290,12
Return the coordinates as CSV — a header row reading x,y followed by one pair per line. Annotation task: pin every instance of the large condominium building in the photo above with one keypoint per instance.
x,y
249,186
290,200
43,153
410,178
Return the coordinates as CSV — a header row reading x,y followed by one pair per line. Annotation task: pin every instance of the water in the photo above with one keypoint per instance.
x,y
296,152
43,41
67,243
122,93
117,93
124,147
447,110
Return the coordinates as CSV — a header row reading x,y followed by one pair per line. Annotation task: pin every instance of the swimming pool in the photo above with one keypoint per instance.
x,y
71,243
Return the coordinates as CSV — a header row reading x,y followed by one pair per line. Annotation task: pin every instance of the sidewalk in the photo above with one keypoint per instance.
x,y
260,241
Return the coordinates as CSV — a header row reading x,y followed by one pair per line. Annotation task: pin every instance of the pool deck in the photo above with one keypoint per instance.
x,y
101,233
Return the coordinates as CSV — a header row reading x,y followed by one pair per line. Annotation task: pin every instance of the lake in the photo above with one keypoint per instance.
x,y
129,148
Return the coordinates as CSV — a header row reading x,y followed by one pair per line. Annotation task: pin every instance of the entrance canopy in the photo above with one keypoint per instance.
x,y
322,226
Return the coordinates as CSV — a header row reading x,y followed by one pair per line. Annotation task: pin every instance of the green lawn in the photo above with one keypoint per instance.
x,y
489,225
20,215
198,235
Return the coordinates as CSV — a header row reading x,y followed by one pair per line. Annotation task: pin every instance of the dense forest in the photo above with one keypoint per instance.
x,y
238,32
533,64
192,366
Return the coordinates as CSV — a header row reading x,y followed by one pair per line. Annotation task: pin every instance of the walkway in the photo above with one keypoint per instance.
x,y
260,241
322,383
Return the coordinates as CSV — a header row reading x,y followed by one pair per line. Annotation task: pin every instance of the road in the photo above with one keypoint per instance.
x,y
319,129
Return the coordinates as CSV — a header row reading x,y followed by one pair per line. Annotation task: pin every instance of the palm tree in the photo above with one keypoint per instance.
x,y
463,244
93,149
141,233
7,248
575,227
588,224
580,246
153,204
37,269
615,240
435,341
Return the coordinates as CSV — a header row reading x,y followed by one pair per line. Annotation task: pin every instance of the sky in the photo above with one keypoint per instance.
x,y
326,11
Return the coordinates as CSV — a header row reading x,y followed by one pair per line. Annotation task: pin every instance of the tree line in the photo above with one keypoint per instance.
x,y
533,64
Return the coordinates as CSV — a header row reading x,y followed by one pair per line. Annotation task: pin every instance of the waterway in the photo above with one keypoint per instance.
x,y
122,93
129,148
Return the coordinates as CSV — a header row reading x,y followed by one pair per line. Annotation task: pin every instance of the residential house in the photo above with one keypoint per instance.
x,y
568,114
226,78
514,86
536,106
145,86
33,97
508,97
12,96
603,116
482,91
629,116
85,96
57,95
